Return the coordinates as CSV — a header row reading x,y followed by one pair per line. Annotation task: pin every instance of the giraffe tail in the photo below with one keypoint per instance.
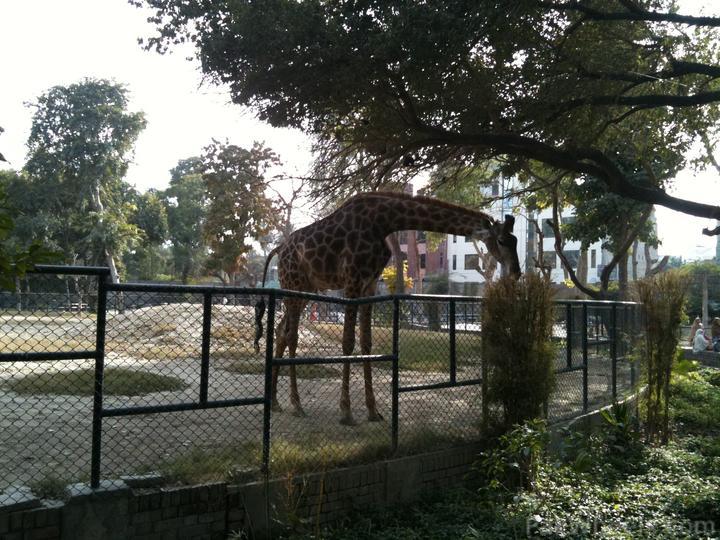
x,y
260,304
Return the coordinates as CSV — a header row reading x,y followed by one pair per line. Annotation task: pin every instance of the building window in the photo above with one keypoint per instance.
x,y
593,258
547,229
573,257
454,238
422,260
569,220
468,239
471,262
549,259
402,237
454,262
420,236
495,189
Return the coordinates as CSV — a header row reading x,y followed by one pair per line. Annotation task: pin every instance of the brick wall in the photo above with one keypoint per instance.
x,y
208,512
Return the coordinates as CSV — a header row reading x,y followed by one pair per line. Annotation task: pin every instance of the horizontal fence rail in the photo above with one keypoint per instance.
x,y
426,374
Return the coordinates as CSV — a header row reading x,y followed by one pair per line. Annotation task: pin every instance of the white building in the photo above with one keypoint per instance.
x,y
462,257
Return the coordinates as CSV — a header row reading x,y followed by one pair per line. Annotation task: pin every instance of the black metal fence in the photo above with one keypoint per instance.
x,y
103,380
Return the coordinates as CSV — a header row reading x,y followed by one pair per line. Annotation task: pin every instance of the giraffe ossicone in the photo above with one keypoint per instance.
x,y
347,250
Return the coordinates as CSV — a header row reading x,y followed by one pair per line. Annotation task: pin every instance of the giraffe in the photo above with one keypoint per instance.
x,y
347,250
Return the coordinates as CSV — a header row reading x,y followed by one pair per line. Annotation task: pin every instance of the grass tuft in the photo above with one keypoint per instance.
x,y
257,367
80,382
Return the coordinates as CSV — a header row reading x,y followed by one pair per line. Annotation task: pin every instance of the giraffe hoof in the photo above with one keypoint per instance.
x,y
299,413
348,421
375,417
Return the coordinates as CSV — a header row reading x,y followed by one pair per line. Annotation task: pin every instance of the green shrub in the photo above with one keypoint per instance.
x,y
663,299
514,462
517,350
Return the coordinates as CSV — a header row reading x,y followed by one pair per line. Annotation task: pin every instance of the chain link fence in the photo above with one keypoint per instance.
x,y
120,381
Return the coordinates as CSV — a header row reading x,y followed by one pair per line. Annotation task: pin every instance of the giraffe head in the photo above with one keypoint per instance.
x,y
502,244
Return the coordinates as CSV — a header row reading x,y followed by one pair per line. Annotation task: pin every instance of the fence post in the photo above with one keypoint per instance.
x,y
205,350
585,356
270,333
395,374
568,328
453,347
613,348
100,327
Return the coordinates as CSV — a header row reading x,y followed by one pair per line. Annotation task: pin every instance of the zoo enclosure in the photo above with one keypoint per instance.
x,y
588,334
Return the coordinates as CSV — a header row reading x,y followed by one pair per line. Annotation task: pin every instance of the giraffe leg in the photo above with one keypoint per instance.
x,y
366,348
280,344
348,345
294,310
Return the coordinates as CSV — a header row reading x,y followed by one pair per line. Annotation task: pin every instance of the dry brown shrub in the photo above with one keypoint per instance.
x,y
517,348
663,299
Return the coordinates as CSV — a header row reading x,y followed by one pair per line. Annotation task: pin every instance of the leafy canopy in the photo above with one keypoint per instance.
x,y
395,86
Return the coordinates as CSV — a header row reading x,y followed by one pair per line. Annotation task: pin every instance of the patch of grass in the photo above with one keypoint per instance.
x,y
50,487
17,345
241,463
229,333
170,350
257,367
200,465
420,350
80,382
695,401
162,329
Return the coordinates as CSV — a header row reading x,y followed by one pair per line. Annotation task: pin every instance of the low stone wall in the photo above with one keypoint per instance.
x,y
707,358
117,511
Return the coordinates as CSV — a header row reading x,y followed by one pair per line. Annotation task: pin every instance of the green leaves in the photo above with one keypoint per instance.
x,y
15,259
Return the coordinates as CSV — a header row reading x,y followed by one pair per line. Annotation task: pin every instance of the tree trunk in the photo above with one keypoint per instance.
x,y
623,276
582,267
394,244
100,209
18,293
635,260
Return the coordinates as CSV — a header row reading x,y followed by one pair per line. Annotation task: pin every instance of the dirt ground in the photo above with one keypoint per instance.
x,y
45,436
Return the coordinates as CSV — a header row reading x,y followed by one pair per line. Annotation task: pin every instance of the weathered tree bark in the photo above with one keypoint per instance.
x,y
18,293
394,243
635,260
582,268
623,276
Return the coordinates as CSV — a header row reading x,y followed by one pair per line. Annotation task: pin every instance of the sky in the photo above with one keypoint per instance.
x,y
59,42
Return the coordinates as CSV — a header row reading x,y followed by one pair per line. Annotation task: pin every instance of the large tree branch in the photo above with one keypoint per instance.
x,y
559,249
637,14
679,68
645,101
583,161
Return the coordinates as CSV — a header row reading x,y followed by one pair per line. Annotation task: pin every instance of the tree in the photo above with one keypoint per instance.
x,y
410,85
704,284
149,257
186,204
16,256
79,149
239,210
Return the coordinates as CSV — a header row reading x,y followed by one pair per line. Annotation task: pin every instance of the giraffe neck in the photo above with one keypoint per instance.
x,y
424,214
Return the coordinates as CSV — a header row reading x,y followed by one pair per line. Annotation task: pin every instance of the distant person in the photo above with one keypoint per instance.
x,y
697,323
700,343
715,334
